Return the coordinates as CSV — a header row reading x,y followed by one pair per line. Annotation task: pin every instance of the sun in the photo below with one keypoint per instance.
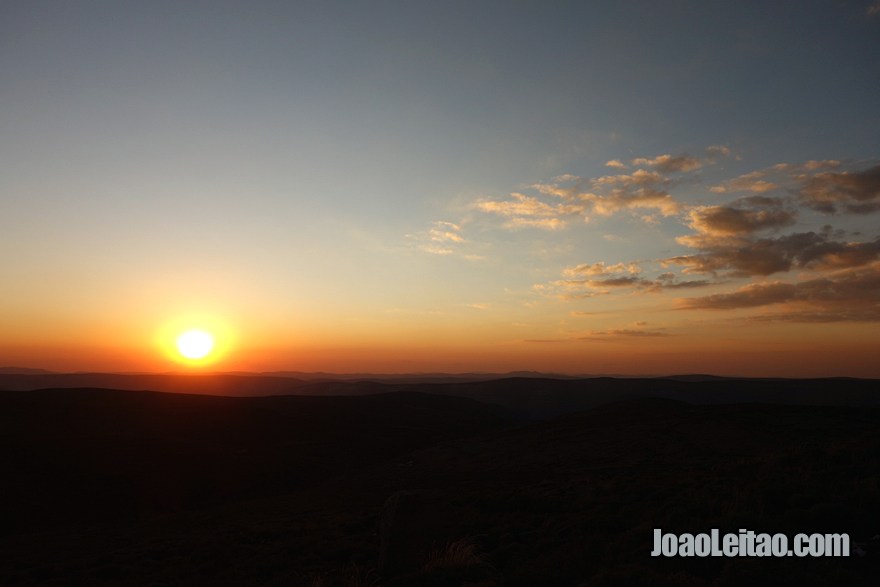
x,y
195,344
196,341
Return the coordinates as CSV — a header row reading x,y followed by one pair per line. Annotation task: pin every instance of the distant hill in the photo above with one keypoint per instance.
x,y
230,383
22,371
547,398
531,397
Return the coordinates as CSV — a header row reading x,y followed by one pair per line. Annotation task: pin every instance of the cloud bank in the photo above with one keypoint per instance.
x,y
734,235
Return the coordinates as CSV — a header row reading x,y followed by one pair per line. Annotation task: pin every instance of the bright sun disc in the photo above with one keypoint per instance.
x,y
195,344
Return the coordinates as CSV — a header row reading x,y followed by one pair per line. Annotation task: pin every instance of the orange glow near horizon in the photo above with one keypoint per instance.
x,y
457,340
756,356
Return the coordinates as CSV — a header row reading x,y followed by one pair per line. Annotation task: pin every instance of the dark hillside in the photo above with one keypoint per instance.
x,y
92,453
406,489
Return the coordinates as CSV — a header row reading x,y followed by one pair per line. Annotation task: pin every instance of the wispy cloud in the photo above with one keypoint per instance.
x,y
628,198
600,279
669,280
623,333
442,238
528,211
749,182
567,197
684,163
612,334
445,232
669,163
543,223
600,269
716,152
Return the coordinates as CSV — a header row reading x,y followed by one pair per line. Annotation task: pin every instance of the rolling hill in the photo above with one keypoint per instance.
x,y
406,488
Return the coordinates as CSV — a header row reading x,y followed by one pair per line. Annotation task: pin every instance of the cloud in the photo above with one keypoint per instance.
x,y
683,163
749,296
648,189
434,250
682,284
641,189
727,241
623,333
445,232
776,177
749,182
599,285
717,152
669,163
739,240
605,196
743,241
544,223
600,269
847,295
628,199
615,282
669,280
745,257
528,211
873,9
725,220
442,238
855,192
521,205
602,279
636,178
813,165
800,169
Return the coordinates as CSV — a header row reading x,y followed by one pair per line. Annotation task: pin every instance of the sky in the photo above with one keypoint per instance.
x,y
627,187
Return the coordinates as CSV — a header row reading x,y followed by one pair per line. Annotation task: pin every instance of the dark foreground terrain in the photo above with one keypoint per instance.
x,y
406,488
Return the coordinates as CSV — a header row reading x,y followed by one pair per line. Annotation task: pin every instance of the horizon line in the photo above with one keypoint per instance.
x,y
26,371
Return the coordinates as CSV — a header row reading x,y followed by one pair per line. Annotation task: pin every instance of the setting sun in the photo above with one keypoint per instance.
x,y
195,340
195,344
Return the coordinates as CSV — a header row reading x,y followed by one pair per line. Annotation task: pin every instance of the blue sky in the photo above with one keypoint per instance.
x,y
343,176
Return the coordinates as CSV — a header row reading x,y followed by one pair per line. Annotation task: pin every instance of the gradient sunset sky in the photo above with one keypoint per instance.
x,y
630,187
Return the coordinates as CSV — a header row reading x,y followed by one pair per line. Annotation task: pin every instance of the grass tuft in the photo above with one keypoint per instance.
x,y
461,553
